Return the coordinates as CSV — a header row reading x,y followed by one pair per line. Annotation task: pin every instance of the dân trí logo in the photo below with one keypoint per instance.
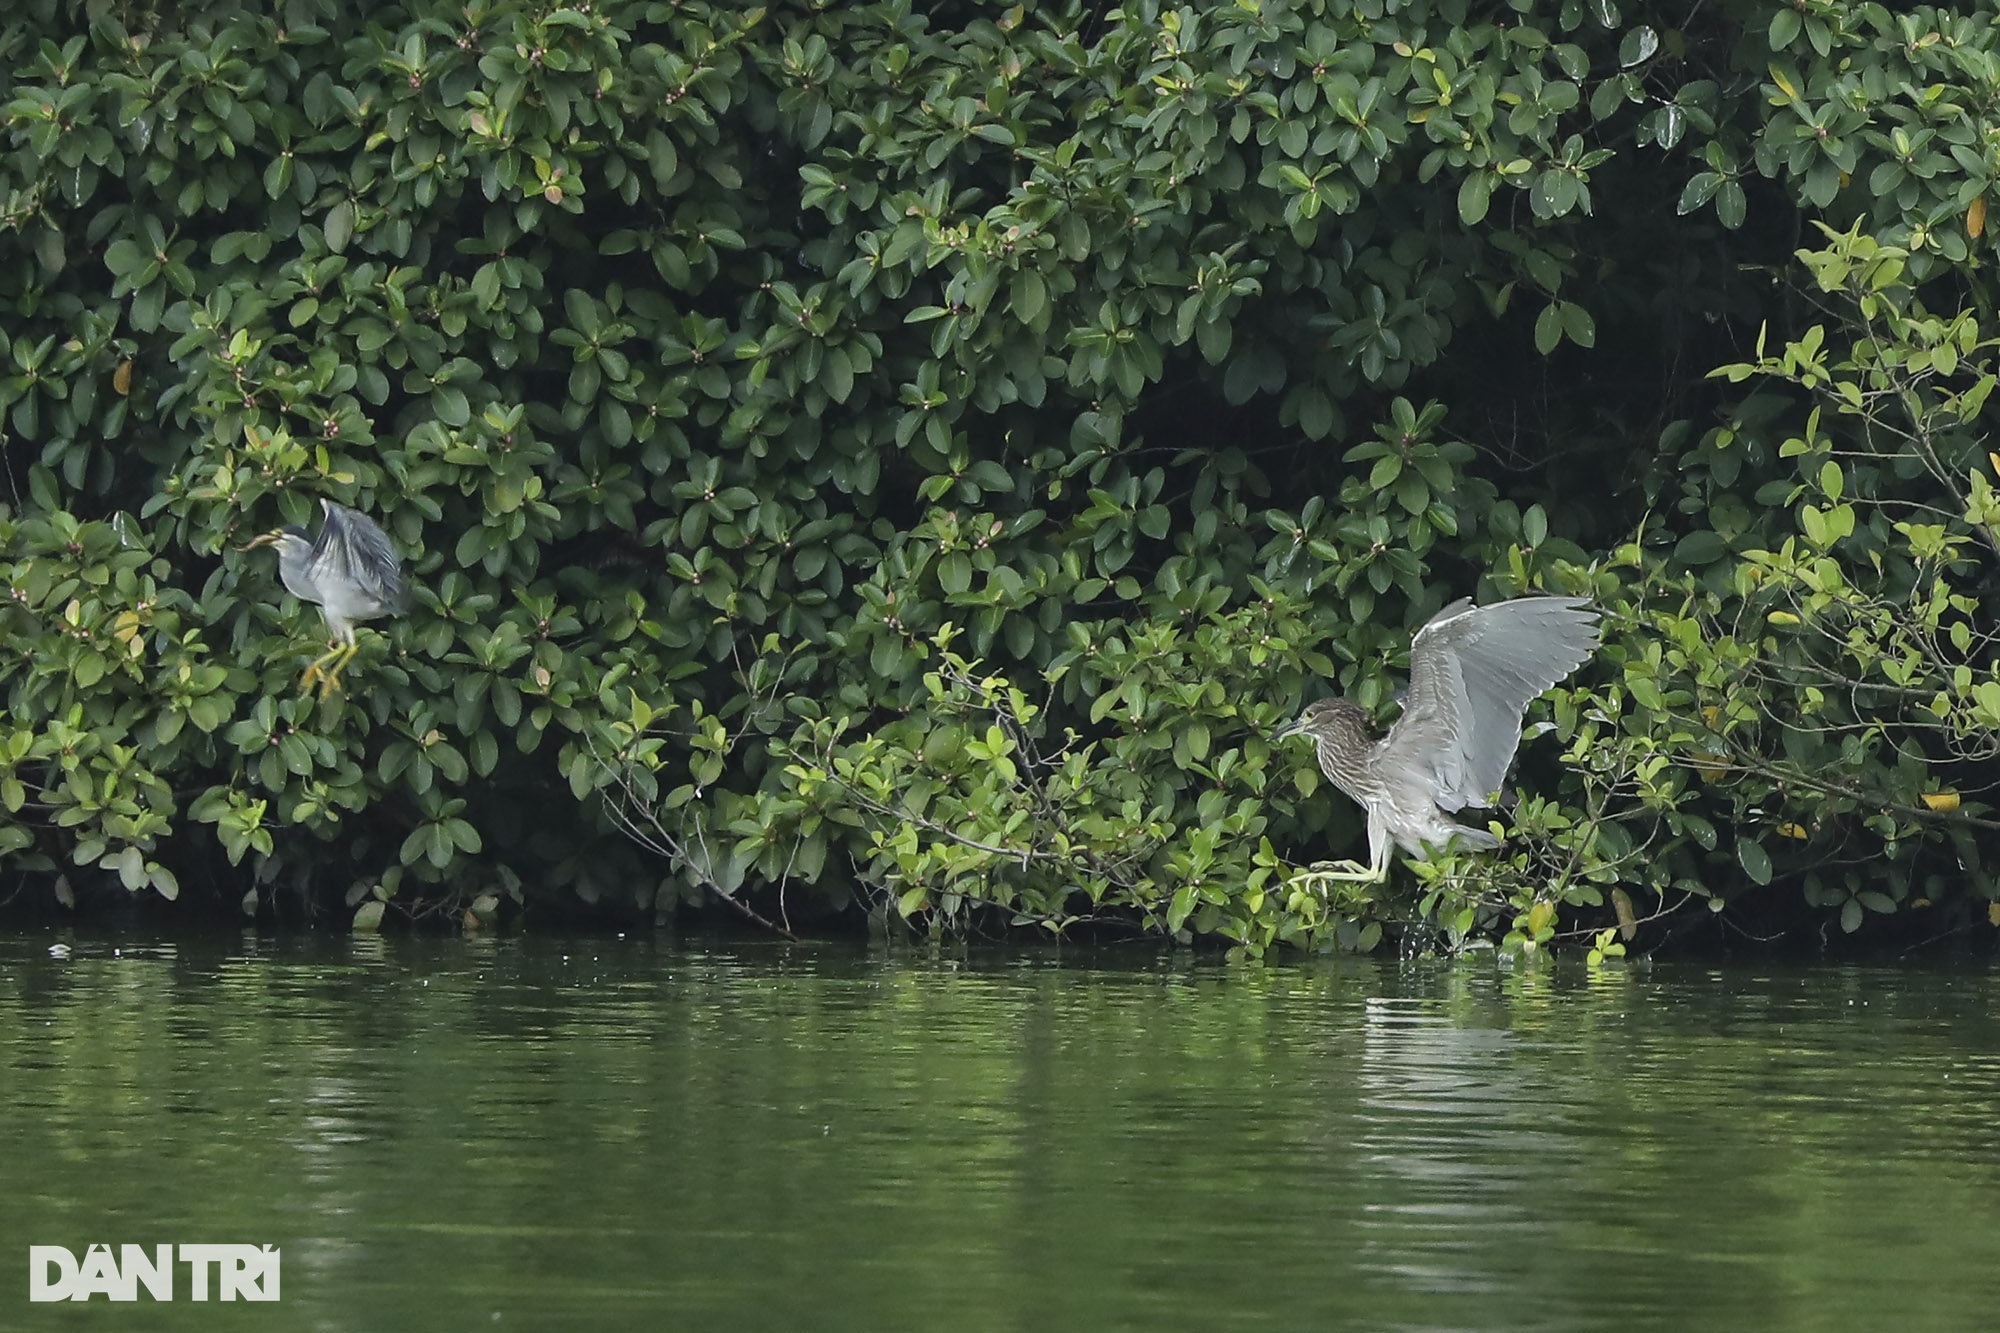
x,y
214,1272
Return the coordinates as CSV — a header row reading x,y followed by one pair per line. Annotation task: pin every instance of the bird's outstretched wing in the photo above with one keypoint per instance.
x,y
1473,672
352,547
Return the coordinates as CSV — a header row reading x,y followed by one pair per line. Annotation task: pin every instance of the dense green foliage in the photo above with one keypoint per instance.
x,y
913,454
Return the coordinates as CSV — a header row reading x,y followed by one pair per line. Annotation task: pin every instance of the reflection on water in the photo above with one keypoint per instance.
x,y
1450,1087
611,1134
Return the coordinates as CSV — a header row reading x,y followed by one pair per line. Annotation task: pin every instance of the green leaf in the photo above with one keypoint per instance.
x,y
1315,412
1578,324
1548,329
1475,194
339,225
1028,296
837,376
1638,46
955,573
1755,860
450,405
124,257
1730,205
486,285
1698,548
1701,188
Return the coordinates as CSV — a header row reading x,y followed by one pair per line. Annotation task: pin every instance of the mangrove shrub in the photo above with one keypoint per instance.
x,y
911,455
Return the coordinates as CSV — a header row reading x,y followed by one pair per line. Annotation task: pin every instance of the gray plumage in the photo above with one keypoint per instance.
x,y
350,571
1473,672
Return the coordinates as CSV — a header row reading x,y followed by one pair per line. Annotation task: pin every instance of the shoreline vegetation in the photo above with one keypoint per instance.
x,y
897,464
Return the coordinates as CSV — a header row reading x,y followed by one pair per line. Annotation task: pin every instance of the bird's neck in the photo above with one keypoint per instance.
x,y
1351,723
1343,737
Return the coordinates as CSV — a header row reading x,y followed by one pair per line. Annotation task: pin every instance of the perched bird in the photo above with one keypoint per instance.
x,y
352,572
1473,671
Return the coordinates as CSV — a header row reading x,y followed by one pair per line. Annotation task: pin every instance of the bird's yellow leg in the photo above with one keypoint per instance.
x,y
329,680
1341,872
1377,869
1339,884
318,667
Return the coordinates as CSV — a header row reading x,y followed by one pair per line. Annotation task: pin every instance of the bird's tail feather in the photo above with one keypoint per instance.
x,y
1474,839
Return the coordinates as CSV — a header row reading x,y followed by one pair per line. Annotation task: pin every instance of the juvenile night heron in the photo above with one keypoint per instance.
x,y
350,570
1473,672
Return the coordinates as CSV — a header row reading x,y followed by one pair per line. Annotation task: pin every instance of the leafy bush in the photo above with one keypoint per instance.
x,y
912,455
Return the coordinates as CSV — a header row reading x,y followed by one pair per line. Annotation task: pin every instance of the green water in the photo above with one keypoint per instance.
x,y
614,1134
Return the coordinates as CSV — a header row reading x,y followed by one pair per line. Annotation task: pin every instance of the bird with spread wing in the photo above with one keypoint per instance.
x,y
1473,672
351,570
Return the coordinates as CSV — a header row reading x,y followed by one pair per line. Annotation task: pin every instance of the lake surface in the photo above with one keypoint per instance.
x,y
626,1133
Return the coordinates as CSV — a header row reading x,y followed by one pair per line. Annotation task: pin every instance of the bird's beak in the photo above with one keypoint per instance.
x,y
268,539
1292,728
